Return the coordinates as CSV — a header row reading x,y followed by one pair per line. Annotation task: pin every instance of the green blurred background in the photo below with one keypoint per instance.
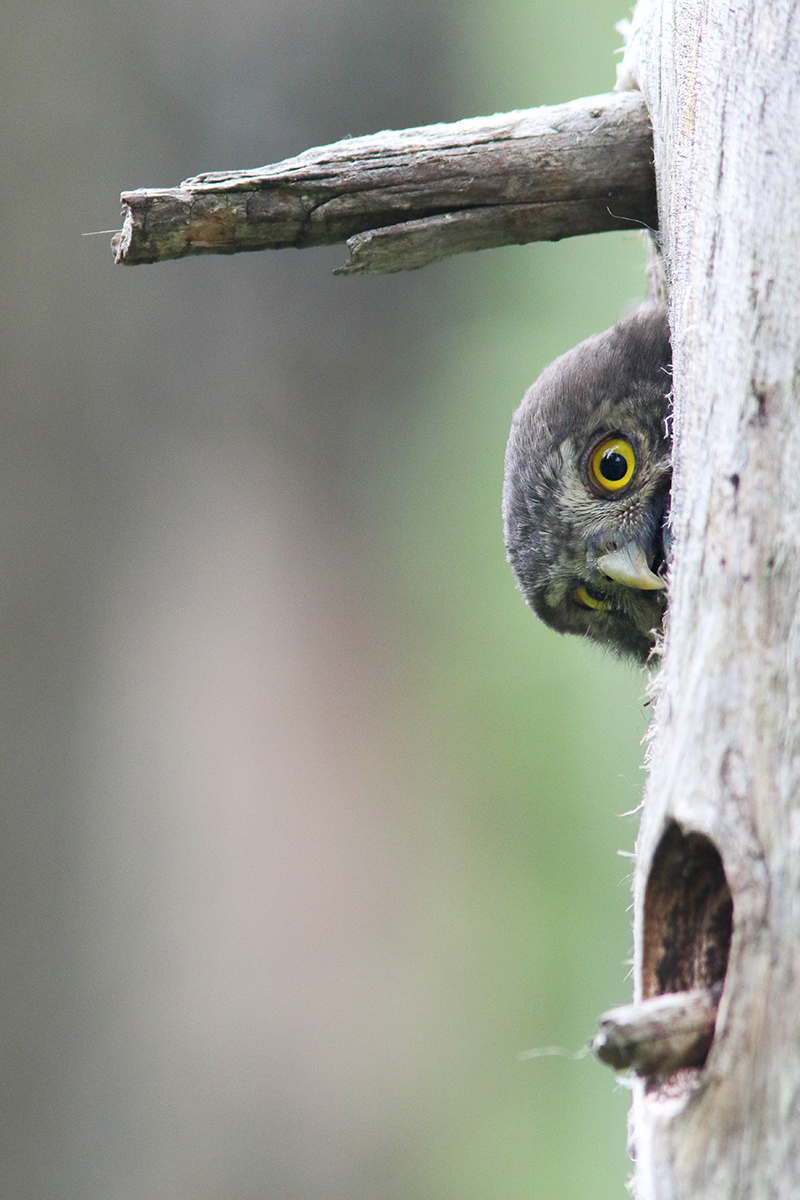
x,y
308,827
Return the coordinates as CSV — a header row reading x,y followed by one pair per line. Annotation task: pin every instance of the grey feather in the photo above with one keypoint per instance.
x,y
557,522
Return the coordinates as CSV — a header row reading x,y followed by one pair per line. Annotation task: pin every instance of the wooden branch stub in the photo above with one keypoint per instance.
x,y
404,199
659,1036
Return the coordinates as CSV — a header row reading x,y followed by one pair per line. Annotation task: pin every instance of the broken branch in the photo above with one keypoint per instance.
x,y
404,199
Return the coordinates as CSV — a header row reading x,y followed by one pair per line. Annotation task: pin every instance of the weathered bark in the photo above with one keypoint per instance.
x,y
722,82
404,199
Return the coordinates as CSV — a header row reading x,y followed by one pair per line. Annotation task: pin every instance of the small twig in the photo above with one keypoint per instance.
x,y
554,1052
404,199
661,1035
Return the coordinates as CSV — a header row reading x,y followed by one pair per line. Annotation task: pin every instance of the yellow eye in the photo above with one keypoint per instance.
x,y
586,600
612,464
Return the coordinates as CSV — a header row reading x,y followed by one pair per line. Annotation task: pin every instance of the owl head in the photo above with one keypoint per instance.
x,y
587,486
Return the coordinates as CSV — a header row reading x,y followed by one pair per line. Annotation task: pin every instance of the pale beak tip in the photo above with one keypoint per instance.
x,y
629,566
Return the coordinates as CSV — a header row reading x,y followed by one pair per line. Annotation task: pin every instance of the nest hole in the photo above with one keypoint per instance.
x,y
688,923
688,915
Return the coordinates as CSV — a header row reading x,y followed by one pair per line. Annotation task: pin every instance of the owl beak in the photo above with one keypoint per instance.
x,y
629,566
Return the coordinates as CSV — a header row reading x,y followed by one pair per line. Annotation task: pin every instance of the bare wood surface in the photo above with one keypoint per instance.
x,y
722,81
404,199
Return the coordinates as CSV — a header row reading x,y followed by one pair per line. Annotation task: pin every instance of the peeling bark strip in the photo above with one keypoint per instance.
x,y
404,199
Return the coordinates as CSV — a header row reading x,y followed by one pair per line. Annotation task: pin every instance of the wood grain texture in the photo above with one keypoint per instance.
x,y
722,81
404,199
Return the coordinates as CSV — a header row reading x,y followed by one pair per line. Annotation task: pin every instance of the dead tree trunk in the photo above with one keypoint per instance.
x,y
721,79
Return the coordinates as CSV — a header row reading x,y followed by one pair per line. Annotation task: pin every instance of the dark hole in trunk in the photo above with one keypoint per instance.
x,y
688,916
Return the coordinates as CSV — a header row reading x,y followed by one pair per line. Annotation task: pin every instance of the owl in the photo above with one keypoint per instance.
x,y
587,486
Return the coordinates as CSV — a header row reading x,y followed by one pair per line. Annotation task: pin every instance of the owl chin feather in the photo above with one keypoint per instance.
x,y
587,487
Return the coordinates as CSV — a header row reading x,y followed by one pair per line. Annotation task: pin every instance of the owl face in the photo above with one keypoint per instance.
x,y
587,486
